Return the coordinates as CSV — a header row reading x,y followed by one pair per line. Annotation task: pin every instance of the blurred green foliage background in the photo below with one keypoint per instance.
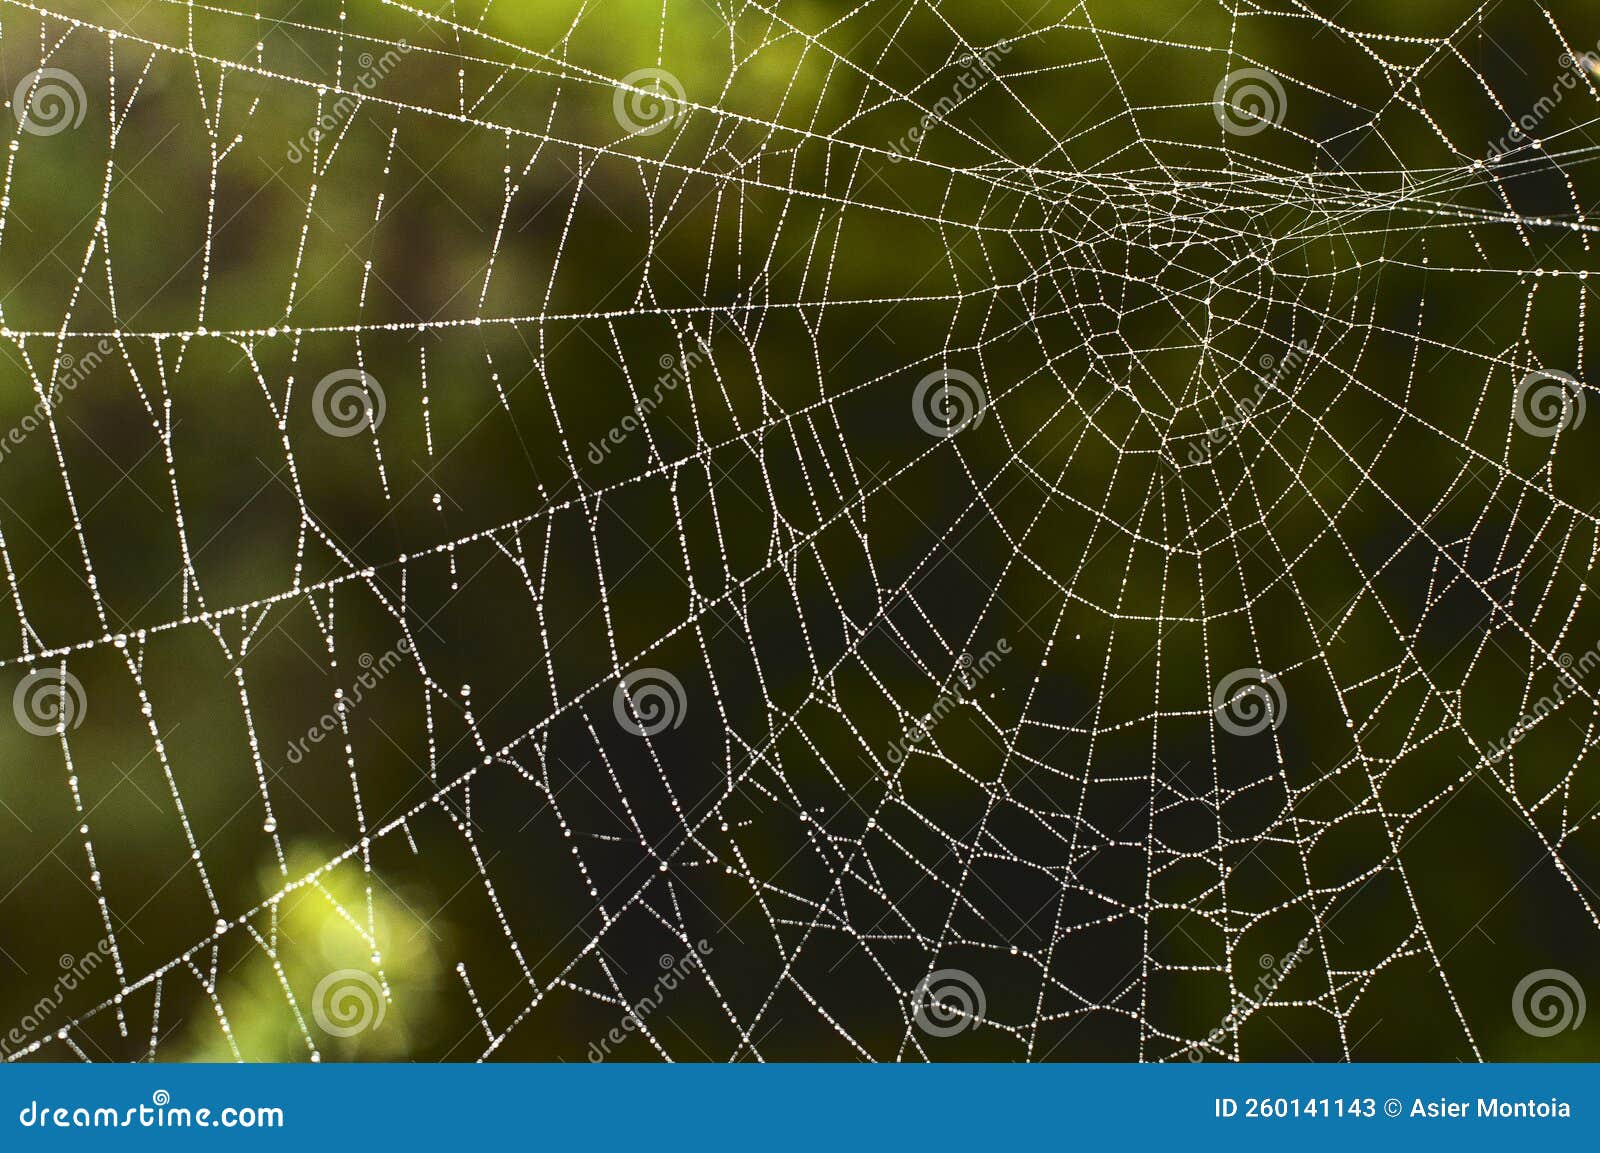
x,y
475,228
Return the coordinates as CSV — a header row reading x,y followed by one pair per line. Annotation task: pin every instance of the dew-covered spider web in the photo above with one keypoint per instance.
x,y
754,530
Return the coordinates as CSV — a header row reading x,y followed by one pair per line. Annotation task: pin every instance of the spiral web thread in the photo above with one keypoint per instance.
x,y
964,660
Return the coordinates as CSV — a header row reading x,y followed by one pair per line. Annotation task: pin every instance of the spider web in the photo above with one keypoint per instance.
x,y
1009,531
